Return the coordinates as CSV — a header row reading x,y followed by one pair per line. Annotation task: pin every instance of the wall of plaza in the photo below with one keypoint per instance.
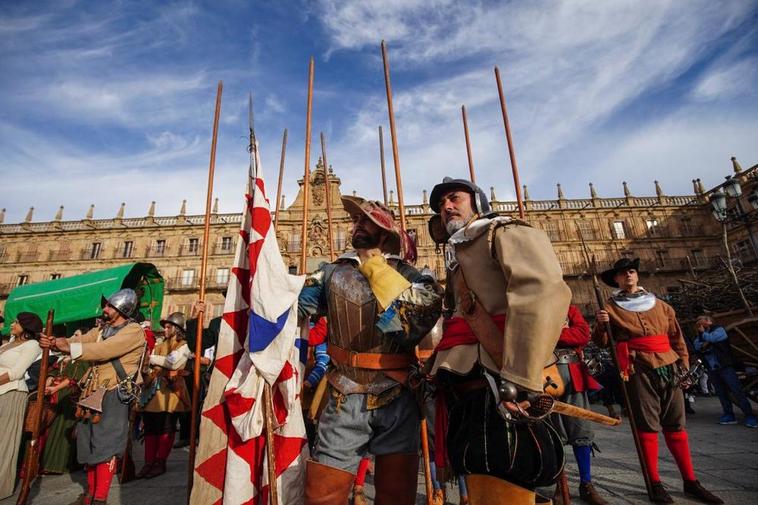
x,y
675,237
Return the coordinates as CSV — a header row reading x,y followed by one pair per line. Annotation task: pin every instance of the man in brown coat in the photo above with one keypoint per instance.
x,y
651,350
506,302
114,351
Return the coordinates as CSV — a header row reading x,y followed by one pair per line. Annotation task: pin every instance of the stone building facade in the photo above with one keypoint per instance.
x,y
673,235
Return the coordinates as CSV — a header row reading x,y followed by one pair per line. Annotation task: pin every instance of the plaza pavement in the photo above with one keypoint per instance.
x,y
726,462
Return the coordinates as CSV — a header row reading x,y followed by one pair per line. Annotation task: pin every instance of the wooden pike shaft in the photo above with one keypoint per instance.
x,y
381,159
203,268
472,173
393,134
306,171
31,460
281,177
427,462
328,190
511,150
270,455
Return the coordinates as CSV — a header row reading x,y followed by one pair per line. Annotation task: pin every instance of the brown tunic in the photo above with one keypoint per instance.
x,y
660,320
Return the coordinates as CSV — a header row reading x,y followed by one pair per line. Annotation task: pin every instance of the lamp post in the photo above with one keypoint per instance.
x,y
718,202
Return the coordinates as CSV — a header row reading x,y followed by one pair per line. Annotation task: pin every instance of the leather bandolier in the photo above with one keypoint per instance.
x,y
363,357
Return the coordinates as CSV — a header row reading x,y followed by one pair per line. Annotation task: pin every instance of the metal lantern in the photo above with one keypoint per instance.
x,y
718,201
753,199
732,187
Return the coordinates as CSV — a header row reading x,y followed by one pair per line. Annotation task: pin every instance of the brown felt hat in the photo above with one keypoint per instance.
x,y
383,217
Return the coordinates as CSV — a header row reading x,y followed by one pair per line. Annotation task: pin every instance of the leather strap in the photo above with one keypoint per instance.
x,y
369,360
478,319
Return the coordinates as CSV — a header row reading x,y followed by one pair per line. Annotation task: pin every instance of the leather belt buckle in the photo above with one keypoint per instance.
x,y
352,359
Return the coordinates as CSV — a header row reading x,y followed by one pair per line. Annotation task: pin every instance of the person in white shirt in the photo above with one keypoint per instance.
x,y
15,358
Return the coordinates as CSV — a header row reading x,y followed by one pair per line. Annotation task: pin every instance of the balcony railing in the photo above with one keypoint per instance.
x,y
27,256
60,255
190,250
220,249
89,254
156,252
181,283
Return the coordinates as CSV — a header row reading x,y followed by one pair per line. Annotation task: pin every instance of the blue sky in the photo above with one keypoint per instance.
x,y
110,102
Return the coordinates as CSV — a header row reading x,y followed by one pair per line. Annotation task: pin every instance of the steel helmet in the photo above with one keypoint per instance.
x,y
124,300
479,199
177,319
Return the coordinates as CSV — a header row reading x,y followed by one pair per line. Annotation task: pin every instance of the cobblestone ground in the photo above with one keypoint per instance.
x,y
726,462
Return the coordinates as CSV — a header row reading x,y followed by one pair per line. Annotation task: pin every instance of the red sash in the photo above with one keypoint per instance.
x,y
456,331
649,343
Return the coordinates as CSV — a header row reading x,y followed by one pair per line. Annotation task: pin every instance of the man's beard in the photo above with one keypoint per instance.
x,y
365,241
454,225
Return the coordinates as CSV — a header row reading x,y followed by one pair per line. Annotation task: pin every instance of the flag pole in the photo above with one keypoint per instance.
x,y
306,171
511,150
393,134
471,171
281,176
381,159
399,181
203,267
328,186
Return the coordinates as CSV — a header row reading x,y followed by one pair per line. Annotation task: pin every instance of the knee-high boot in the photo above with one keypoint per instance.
x,y
326,485
396,479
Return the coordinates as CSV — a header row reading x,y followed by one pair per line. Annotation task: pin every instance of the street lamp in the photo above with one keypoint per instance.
x,y
752,198
718,201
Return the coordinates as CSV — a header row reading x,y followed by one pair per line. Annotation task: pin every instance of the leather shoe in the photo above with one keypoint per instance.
x,y
659,494
696,490
588,494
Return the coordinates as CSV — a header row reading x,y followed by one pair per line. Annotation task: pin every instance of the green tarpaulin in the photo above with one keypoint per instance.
x,y
77,298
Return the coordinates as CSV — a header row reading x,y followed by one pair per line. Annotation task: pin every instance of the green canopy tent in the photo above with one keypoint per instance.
x,y
77,299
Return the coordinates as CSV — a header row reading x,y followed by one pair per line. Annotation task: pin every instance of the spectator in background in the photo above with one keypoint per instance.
x,y
15,358
713,341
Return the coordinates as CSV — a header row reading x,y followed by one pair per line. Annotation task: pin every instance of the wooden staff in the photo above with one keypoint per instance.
x,y
393,133
281,176
398,179
511,151
32,455
328,186
381,159
468,145
203,267
306,171
592,268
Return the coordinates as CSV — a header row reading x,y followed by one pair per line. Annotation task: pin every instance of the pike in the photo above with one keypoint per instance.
x,y
592,268
32,455
381,161
511,149
281,176
401,208
468,145
306,171
203,268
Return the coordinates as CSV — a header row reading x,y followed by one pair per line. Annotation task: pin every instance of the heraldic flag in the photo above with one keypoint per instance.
x,y
257,343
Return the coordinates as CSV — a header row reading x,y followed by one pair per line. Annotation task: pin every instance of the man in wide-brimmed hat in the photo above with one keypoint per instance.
x,y
114,351
651,350
507,302
379,307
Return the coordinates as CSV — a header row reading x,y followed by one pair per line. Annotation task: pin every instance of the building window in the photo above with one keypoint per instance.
x,y
55,276
619,232
586,230
160,247
128,249
552,231
222,276
94,251
294,243
188,277
226,244
22,280
193,246
686,226
652,227
744,249
661,258
698,258
628,254
292,269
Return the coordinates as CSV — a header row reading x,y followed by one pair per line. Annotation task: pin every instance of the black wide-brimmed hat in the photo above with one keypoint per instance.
x,y
619,266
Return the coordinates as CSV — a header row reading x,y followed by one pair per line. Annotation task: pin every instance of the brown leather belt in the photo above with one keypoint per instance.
x,y
369,360
462,388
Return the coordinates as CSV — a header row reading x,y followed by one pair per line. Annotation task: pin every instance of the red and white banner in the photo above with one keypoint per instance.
x,y
258,342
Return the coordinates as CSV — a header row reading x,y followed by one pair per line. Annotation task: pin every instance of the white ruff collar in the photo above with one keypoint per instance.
x,y
474,229
641,301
